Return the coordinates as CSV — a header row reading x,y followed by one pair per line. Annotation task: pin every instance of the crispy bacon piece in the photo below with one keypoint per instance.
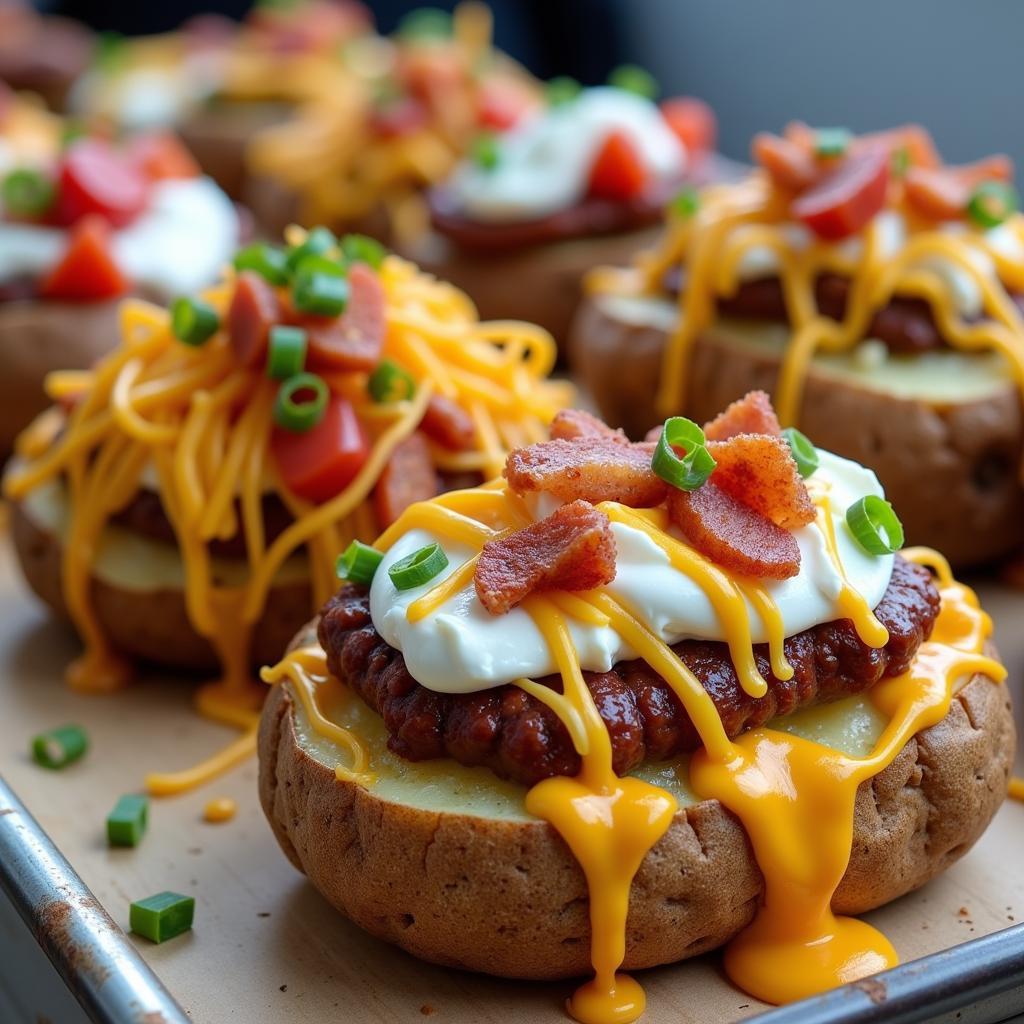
x,y
942,193
760,471
573,549
733,534
592,468
751,414
254,309
573,424
447,423
408,477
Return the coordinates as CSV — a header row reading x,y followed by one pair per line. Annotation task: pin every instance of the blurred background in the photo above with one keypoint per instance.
x,y
946,63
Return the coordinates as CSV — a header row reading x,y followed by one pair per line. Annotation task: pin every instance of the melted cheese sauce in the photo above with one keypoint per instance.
x,y
741,232
794,795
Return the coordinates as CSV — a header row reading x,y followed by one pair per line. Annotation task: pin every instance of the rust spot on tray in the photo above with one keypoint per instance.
x,y
874,989
53,932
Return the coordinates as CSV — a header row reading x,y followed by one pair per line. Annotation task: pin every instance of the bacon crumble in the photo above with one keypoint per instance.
x,y
572,549
574,424
751,414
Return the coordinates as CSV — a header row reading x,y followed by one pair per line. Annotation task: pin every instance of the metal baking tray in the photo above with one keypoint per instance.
x,y
978,982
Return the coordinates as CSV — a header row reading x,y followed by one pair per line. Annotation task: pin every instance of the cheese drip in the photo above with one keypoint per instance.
x,y
738,224
795,798
202,424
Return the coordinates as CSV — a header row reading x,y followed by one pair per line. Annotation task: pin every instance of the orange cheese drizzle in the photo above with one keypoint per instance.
x,y
735,219
203,424
794,797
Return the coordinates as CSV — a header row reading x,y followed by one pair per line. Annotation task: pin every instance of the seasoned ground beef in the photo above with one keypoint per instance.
x,y
519,738
905,325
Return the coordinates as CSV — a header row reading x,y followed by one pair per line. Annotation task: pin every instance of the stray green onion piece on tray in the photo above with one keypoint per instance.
x,y
128,821
805,455
692,469
193,321
686,202
27,193
418,568
390,383
875,526
59,747
361,249
301,402
268,261
485,151
286,353
163,916
358,563
634,79
831,142
991,203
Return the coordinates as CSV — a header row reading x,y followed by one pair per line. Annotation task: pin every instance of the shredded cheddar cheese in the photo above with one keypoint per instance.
x,y
202,423
794,797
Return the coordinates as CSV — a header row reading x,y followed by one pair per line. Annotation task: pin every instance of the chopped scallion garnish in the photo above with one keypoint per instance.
x,y
562,90
390,383
485,151
874,525
59,747
635,79
991,203
127,822
268,261
301,402
193,321
361,249
286,353
319,241
358,563
805,455
686,202
418,568
687,472
831,142
27,193
319,292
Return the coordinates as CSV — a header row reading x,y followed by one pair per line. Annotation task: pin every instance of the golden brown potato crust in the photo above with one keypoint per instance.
x,y
508,898
154,625
951,470
38,336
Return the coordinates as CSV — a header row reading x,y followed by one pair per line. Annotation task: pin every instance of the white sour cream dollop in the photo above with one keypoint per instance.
x,y
179,244
544,163
461,648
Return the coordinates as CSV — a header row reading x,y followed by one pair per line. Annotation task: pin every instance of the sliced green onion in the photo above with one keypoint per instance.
x,y
390,383
286,353
27,193
686,203
270,262
320,265
900,162
485,151
358,563
562,90
163,916
59,747
991,203
805,455
830,142
692,470
418,568
635,79
320,292
109,51
127,822
426,23
317,242
72,131
361,249
875,525
301,402
193,321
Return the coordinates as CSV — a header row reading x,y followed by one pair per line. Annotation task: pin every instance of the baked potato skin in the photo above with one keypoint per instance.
x,y
153,625
508,898
38,336
540,285
951,470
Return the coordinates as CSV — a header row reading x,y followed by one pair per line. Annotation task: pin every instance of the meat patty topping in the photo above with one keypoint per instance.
x,y
519,738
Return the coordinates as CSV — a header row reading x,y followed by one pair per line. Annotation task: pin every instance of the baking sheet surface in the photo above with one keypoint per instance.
x,y
265,947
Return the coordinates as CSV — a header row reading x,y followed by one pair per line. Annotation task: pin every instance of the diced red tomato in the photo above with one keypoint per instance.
x,y
942,193
618,171
87,271
322,462
790,166
397,118
693,122
95,179
162,156
501,105
843,201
